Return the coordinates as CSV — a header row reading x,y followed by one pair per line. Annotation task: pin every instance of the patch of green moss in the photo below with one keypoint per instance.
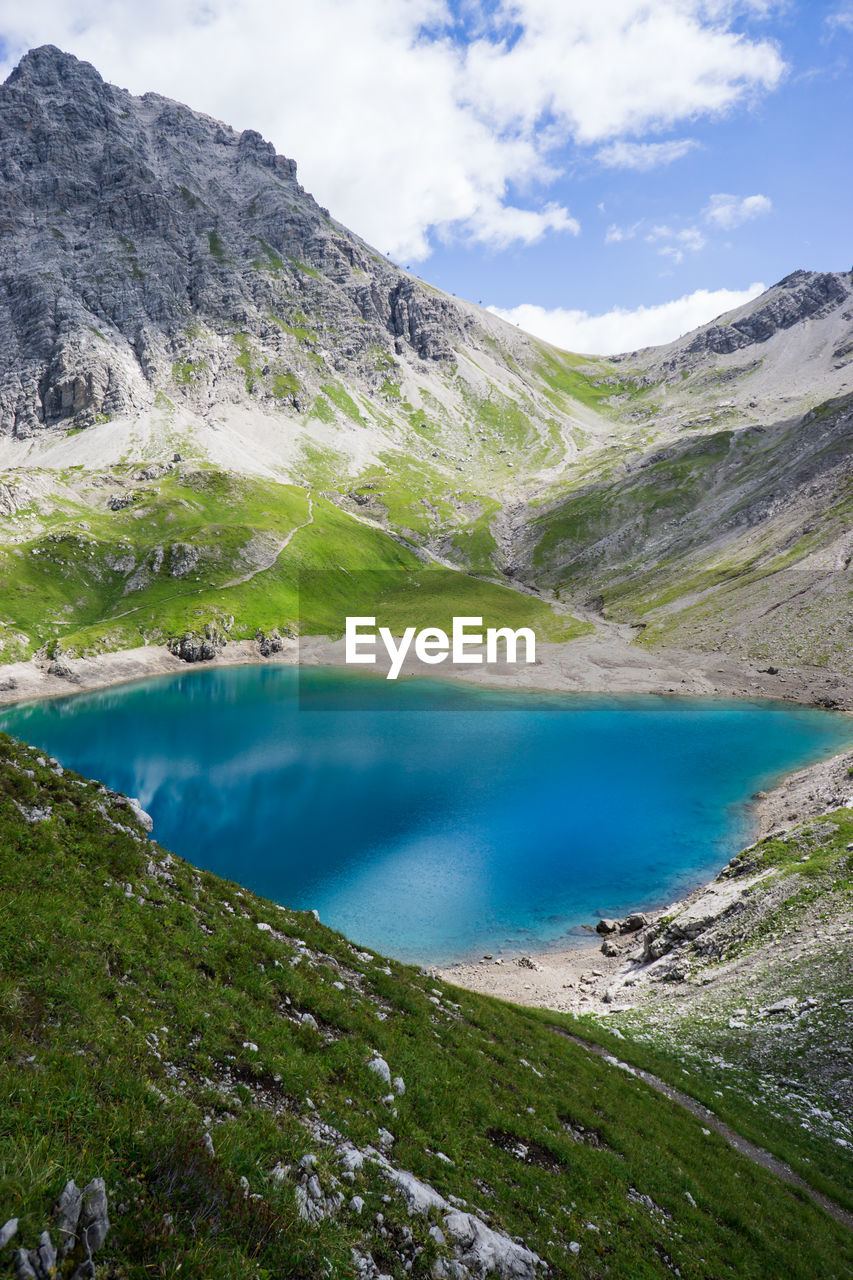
x,y
186,372
321,409
284,385
272,261
216,246
245,361
342,400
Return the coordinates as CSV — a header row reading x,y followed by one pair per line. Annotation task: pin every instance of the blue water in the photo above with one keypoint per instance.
x,y
427,819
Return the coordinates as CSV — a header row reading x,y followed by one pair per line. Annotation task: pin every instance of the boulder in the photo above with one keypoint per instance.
x,y
269,644
654,948
119,501
23,1265
190,648
67,1211
82,1220
94,1219
144,819
62,671
788,1005
489,1253
380,1067
607,926
634,922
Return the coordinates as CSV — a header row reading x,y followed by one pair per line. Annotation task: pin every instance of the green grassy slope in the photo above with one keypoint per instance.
x,y
730,540
781,1078
142,1006
90,578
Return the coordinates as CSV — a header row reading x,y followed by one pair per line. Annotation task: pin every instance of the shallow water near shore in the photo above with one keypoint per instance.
x,y
433,820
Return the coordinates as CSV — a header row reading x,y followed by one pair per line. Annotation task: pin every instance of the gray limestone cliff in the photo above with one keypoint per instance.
x,y
138,236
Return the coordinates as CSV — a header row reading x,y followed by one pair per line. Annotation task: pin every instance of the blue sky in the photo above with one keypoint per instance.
x,y
608,172
791,144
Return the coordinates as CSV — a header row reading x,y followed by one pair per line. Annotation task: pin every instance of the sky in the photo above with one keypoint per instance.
x,y
606,173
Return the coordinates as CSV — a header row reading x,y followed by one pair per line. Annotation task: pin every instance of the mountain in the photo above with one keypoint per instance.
x,y
151,254
206,383
729,528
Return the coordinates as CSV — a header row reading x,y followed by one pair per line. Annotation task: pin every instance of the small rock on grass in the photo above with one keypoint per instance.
x,y
380,1067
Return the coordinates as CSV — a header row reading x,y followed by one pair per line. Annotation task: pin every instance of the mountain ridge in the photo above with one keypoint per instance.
x,y
168,290
117,154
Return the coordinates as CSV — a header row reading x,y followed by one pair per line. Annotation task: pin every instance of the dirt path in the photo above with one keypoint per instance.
x,y
742,1145
235,582
268,564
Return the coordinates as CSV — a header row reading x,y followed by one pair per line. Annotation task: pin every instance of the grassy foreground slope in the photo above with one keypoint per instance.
x,y
145,1005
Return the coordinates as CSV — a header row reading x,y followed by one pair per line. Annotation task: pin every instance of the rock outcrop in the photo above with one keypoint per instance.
x,y
803,295
193,647
81,1223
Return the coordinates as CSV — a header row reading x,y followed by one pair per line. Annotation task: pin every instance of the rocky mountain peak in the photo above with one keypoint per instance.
x,y
48,68
138,237
802,295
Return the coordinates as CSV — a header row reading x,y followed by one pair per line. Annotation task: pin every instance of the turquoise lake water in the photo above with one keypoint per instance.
x,y
427,819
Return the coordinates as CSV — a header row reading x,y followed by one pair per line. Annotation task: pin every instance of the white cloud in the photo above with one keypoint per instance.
x,y
502,225
616,235
841,20
644,156
626,330
728,212
722,213
620,68
401,127
677,243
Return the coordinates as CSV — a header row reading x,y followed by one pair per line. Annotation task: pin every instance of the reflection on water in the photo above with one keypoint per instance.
x,y
427,819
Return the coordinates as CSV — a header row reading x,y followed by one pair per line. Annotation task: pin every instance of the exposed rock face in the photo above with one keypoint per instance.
x,y
803,295
269,644
470,1248
125,223
192,648
82,1222
798,297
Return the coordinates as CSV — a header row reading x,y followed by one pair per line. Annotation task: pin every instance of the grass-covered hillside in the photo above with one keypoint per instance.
x,y
134,556
734,538
208,1054
745,997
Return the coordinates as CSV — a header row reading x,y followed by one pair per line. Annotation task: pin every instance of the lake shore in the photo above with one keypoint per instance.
x,y
606,662
582,979
575,978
